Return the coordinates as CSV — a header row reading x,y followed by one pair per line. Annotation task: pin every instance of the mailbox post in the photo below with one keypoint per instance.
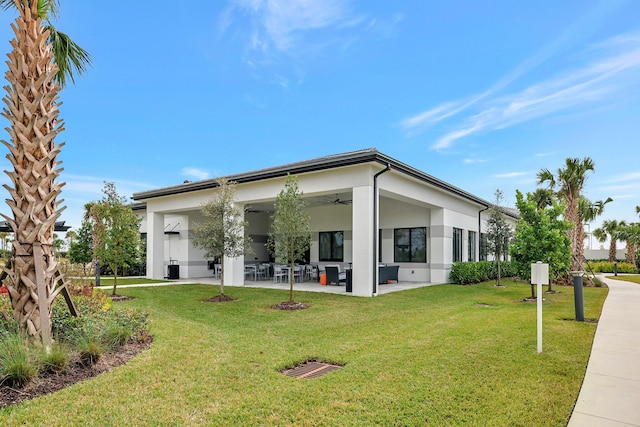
x,y
539,276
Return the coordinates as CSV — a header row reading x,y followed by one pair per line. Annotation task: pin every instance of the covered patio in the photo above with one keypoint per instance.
x,y
308,286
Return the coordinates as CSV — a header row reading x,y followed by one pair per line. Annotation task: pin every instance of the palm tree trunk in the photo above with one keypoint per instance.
x,y
631,253
575,233
613,246
32,110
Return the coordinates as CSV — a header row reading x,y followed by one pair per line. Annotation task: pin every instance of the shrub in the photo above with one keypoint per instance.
x,y
16,368
607,267
90,349
55,361
464,273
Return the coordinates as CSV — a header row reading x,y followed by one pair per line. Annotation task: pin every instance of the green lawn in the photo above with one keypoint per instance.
x,y
430,356
635,278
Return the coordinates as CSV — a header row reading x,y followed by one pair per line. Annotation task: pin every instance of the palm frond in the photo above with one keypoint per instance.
x,y
68,55
46,8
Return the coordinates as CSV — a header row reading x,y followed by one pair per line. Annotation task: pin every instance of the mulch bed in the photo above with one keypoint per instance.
x,y
118,298
219,298
290,305
75,373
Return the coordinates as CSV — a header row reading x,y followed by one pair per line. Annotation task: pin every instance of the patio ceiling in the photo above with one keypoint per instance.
x,y
341,198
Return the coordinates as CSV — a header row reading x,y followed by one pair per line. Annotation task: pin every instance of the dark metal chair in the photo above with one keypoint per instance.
x,y
333,276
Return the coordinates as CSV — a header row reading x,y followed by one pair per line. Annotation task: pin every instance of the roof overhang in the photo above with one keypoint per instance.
x,y
371,155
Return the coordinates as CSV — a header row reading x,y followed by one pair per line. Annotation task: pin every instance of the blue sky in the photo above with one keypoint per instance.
x,y
481,94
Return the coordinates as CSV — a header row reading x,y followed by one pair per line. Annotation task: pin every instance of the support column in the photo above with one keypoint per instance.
x,y
155,246
363,246
440,249
234,267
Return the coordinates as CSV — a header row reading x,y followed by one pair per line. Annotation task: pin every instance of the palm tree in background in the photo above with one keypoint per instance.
x,y
543,198
610,228
630,233
41,61
568,183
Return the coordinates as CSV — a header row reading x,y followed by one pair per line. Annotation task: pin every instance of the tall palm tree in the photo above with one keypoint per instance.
x,y
569,182
630,233
543,198
39,64
610,228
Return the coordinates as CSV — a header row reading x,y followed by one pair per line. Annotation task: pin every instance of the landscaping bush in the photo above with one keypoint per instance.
x,y
607,267
97,329
16,367
464,273
55,361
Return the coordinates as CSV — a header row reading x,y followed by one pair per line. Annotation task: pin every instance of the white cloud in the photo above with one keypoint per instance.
x,y
510,174
279,24
626,177
473,160
612,69
194,173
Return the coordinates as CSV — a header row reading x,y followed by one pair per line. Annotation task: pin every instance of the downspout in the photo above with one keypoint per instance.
x,y
480,229
375,227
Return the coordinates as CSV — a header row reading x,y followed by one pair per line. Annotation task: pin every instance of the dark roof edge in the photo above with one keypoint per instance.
x,y
317,164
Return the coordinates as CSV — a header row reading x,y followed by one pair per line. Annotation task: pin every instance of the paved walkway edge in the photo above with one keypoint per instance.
x,y
610,393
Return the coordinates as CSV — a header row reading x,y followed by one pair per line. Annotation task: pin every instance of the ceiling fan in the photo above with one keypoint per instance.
x,y
338,201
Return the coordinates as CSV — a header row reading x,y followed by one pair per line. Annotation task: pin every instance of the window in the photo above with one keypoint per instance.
x,y
331,246
472,246
410,244
484,249
457,244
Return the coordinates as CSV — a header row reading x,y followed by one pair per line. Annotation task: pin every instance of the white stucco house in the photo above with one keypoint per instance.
x,y
366,208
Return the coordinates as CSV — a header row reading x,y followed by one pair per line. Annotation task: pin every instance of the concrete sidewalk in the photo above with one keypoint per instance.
x,y
610,393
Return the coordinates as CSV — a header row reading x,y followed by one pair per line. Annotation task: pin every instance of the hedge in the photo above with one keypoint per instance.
x,y
607,267
464,273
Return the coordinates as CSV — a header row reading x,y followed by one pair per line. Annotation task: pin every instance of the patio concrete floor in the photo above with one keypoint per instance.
x,y
308,286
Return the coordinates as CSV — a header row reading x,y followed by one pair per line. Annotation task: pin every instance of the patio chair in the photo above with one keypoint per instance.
x,y
279,274
263,271
334,276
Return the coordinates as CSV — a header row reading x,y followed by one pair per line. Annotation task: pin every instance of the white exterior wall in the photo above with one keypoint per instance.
x,y
405,202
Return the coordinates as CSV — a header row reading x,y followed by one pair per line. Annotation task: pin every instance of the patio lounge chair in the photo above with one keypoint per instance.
x,y
334,276
388,273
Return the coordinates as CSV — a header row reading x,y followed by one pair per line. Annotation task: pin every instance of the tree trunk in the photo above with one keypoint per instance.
x,y
222,276
613,246
291,277
575,234
32,110
631,253
115,279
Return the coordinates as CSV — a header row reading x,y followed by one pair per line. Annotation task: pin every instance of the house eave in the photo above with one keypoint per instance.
x,y
318,164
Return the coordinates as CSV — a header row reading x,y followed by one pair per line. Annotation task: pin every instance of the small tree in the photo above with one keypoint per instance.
x,y
115,231
540,236
80,250
222,234
499,233
290,236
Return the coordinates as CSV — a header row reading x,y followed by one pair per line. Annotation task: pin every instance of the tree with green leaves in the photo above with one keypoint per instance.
x,y
222,233
38,66
610,228
568,184
541,235
499,233
81,248
115,231
290,236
